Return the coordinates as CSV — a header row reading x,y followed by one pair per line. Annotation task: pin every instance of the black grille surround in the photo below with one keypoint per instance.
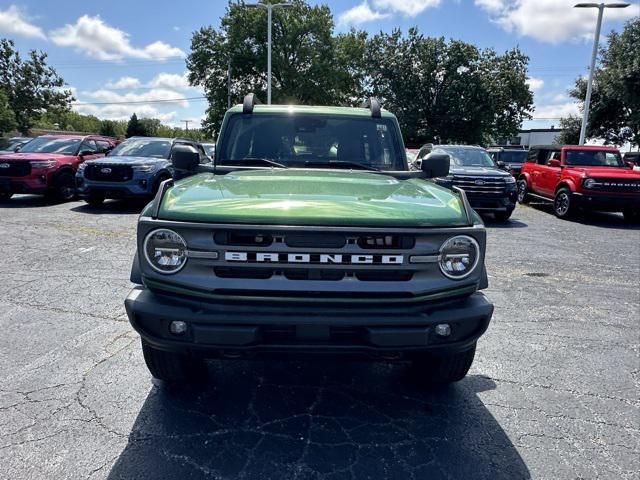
x,y
405,269
475,185
618,185
15,168
105,172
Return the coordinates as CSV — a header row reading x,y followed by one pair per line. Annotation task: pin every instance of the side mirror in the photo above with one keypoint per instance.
x,y
501,164
630,163
553,162
185,160
84,153
436,165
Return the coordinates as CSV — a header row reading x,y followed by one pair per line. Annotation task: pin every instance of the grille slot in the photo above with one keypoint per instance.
x,y
243,239
489,184
108,173
243,272
17,168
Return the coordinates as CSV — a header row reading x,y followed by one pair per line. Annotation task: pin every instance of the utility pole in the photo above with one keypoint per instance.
x,y
269,7
186,124
594,55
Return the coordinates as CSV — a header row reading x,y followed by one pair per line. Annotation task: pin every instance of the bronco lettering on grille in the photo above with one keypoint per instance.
x,y
340,259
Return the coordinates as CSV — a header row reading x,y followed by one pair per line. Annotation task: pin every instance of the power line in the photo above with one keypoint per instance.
x,y
142,102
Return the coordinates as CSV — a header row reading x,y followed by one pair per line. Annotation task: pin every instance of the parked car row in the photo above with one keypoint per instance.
x,y
91,166
571,177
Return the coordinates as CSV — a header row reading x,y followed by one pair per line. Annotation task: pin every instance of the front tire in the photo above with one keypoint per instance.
x,y
563,206
446,369
174,368
64,189
631,215
523,195
95,199
503,216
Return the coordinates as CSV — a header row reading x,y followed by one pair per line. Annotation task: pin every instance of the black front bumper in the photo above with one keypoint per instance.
x,y
493,203
218,330
606,202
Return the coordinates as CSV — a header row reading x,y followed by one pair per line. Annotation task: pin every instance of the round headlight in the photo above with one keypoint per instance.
x,y
509,180
459,256
589,183
165,250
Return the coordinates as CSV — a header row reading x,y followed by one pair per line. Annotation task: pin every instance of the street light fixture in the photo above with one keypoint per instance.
x,y
269,7
594,54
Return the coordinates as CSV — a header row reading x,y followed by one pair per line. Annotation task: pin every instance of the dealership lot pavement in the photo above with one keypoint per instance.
x,y
553,393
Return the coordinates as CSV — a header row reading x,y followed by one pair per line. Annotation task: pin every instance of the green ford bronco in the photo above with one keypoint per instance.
x,y
308,235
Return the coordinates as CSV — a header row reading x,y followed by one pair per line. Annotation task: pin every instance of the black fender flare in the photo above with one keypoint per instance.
x,y
136,274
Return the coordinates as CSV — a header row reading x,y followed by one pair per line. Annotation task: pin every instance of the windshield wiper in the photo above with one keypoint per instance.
x,y
259,161
341,164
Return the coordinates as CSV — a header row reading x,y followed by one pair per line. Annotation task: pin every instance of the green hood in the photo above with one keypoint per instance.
x,y
311,197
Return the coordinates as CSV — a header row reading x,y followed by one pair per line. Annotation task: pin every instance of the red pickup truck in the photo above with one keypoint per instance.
x,y
580,177
47,164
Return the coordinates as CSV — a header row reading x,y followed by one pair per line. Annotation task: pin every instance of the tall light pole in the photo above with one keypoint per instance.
x,y
269,7
594,54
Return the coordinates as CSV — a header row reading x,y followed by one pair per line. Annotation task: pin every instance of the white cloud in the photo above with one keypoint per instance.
x,y
363,13
170,80
535,84
124,82
550,21
13,21
556,110
405,7
104,95
360,14
91,35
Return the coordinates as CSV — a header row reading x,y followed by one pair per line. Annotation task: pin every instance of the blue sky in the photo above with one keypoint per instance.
x,y
133,51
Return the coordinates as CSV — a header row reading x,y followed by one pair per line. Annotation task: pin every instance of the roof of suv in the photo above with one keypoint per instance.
x,y
574,147
470,147
314,110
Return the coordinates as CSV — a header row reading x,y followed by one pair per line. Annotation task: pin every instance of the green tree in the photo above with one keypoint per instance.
x,y
614,114
448,92
7,117
112,128
310,65
135,128
32,88
570,127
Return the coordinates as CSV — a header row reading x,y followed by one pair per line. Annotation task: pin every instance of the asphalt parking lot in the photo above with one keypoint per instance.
x,y
553,393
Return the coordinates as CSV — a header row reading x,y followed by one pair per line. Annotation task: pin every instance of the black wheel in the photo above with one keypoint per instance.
x,y
64,187
442,370
523,195
563,204
631,215
503,216
5,196
159,180
174,368
95,199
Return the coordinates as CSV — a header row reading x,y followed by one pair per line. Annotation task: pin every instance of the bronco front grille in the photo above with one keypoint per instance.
x,y
616,185
479,185
102,172
14,168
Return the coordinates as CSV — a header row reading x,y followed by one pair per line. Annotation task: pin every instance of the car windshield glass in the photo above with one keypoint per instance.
x,y
593,158
467,157
313,141
143,147
513,156
61,146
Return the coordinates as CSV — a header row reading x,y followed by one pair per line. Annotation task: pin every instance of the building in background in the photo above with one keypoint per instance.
x,y
536,136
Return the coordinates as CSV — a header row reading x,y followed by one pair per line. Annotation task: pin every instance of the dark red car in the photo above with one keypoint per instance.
x,y
574,177
47,164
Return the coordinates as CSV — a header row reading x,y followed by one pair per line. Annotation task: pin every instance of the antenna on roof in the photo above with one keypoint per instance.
x,y
250,100
373,104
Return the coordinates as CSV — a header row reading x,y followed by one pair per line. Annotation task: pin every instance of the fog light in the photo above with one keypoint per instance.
x,y
178,327
443,330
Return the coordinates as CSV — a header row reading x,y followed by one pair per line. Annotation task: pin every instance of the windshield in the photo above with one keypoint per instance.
x,y
513,156
467,157
321,141
143,147
593,158
61,146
